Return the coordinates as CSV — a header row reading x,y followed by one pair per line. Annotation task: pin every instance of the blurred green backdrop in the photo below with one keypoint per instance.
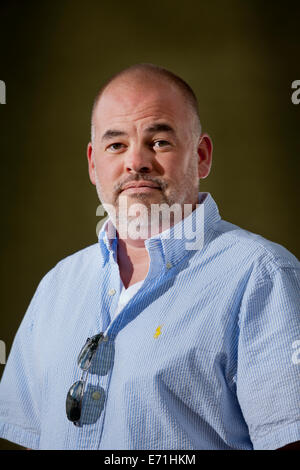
x,y
239,56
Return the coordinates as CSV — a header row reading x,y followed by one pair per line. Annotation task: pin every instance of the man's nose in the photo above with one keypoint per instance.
x,y
139,160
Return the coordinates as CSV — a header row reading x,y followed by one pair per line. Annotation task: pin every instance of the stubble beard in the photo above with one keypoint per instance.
x,y
186,193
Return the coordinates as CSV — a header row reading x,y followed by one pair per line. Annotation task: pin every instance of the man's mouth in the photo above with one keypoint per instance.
x,y
140,187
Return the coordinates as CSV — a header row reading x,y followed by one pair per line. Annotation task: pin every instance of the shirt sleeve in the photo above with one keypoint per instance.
x,y
268,373
19,389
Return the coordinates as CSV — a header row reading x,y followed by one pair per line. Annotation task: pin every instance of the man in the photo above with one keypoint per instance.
x,y
191,321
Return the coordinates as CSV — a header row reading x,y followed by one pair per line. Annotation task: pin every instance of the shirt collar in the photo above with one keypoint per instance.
x,y
190,234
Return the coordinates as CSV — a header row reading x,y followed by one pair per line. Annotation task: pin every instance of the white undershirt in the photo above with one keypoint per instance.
x,y
126,295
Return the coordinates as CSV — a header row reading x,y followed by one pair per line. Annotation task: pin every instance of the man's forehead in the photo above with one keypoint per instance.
x,y
130,102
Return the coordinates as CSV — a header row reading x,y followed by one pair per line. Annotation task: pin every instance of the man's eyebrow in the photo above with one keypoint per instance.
x,y
157,127
111,133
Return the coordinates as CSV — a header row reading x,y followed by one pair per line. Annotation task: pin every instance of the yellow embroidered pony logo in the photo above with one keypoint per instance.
x,y
157,332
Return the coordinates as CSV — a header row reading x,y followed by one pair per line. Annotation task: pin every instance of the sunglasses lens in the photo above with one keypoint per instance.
x,y
73,402
86,354
75,394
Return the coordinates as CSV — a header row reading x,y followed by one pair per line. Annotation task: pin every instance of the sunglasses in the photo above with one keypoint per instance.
x,y
76,392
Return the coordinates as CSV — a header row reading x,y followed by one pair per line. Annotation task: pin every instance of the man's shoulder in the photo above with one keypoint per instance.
x,y
85,255
78,263
254,248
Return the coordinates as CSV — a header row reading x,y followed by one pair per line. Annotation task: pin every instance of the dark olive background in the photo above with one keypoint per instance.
x,y
239,56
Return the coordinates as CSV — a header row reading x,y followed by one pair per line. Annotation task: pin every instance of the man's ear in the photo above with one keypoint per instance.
x,y
91,163
205,150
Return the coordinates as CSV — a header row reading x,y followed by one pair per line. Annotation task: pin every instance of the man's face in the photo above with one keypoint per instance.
x,y
145,147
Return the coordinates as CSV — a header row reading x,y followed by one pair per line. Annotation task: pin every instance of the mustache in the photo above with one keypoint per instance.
x,y
118,188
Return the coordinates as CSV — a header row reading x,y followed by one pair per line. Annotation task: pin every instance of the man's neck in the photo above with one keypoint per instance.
x,y
133,260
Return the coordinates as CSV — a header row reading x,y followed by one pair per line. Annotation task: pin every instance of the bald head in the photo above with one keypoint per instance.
x,y
149,75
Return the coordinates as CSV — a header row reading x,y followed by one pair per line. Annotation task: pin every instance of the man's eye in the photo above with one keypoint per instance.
x,y
115,147
160,143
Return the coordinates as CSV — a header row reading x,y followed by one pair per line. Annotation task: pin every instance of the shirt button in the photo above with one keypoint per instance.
x,y
168,265
111,291
96,396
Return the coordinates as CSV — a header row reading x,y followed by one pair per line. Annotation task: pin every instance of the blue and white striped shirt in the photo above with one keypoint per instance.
x,y
204,356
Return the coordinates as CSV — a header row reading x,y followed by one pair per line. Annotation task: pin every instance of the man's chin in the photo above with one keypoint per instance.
x,y
146,198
